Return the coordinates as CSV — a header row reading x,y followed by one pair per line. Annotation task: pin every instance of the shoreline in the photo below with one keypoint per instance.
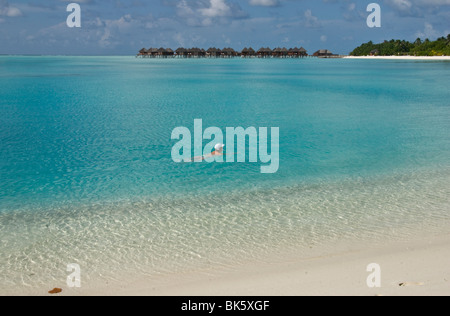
x,y
431,58
406,269
298,266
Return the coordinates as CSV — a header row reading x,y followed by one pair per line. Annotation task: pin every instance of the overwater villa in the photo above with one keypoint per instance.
x,y
325,53
227,52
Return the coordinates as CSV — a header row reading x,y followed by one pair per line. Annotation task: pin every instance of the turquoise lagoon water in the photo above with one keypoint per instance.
x,y
87,175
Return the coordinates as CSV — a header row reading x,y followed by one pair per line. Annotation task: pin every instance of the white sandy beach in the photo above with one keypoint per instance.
x,y
400,57
407,268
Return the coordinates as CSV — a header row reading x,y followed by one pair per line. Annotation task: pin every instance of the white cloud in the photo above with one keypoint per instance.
x,y
416,7
311,20
218,8
8,11
428,32
105,40
206,12
406,4
184,10
431,2
402,5
264,3
13,12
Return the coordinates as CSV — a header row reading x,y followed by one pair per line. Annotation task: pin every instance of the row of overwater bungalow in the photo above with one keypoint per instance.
x,y
223,53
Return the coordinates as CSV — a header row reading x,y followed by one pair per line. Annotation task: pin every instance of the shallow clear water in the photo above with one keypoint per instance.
x,y
87,176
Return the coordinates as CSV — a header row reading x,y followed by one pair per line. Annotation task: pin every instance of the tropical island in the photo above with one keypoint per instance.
x,y
440,47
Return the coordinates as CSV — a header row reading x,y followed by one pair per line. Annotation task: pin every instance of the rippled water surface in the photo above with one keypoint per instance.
x,y
87,176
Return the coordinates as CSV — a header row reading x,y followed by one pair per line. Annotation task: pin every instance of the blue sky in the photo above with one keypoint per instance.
x,y
118,27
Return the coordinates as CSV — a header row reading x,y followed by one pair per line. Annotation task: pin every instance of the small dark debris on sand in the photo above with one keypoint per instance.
x,y
55,291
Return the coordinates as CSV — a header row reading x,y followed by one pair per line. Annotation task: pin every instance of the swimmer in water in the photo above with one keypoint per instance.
x,y
218,151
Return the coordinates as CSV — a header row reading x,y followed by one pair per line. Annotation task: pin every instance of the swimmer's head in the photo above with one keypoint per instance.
x,y
219,147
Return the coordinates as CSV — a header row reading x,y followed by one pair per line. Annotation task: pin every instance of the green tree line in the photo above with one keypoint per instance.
x,y
440,47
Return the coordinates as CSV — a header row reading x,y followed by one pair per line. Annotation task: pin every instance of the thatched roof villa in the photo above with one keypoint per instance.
x,y
143,52
228,52
297,52
213,52
325,53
